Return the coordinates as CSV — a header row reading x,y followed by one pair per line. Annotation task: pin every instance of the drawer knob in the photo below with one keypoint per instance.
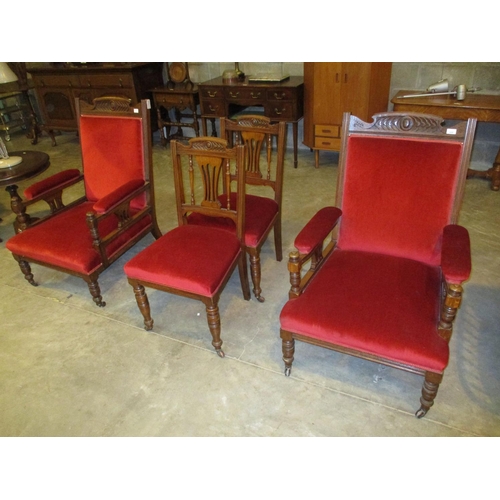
x,y
121,82
255,95
212,94
279,112
212,109
279,96
234,94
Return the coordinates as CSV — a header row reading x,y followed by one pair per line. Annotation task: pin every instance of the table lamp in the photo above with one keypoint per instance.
x,y
6,74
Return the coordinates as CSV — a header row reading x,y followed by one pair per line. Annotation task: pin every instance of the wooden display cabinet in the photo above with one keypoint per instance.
x,y
332,88
57,86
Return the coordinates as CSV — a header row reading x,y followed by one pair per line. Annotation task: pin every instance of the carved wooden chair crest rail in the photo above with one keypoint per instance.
x,y
85,236
191,260
264,172
376,282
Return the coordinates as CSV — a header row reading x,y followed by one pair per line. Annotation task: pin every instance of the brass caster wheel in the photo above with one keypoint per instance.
x,y
287,371
220,353
261,299
420,413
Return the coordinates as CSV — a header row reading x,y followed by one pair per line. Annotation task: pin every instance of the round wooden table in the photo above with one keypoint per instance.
x,y
33,163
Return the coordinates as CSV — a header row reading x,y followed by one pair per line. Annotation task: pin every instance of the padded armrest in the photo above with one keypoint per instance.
x,y
317,229
117,196
59,180
456,254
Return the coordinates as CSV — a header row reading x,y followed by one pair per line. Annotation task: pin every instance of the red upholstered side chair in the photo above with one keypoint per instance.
x,y
84,237
192,260
387,284
263,202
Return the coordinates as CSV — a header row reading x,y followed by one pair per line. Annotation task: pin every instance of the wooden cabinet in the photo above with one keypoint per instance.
x,y
281,101
332,88
58,86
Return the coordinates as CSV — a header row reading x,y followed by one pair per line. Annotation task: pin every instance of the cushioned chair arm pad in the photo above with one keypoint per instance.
x,y
117,196
56,181
456,254
317,229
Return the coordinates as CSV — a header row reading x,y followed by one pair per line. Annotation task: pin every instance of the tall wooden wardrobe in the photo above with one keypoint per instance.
x,y
331,88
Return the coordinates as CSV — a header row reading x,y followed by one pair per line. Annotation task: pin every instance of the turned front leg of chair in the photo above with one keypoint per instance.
x,y
449,310
288,349
95,291
143,304
429,391
23,220
26,270
91,219
213,319
255,272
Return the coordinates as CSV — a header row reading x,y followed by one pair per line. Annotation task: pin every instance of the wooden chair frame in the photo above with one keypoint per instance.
x,y
205,153
306,264
255,131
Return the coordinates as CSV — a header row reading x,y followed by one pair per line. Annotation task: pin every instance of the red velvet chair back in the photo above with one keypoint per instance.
x,y
388,210
113,153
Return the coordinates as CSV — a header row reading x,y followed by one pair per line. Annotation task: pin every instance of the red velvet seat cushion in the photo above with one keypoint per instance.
x,y
189,258
259,216
65,241
377,304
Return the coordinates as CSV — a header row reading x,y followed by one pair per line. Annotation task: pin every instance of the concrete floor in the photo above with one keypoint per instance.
x,y
68,368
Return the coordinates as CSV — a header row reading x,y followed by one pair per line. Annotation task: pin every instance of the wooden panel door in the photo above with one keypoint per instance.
x,y
356,79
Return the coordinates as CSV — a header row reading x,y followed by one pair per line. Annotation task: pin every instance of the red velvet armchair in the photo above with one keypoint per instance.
x,y
264,179
191,260
379,276
86,236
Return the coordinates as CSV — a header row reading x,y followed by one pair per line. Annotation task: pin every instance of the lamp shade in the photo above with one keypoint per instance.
x,y
6,74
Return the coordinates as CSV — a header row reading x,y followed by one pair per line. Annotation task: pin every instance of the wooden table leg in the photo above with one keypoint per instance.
x,y
295,137
492,173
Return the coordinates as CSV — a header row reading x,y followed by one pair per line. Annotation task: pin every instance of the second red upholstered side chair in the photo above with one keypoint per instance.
x,y
196,261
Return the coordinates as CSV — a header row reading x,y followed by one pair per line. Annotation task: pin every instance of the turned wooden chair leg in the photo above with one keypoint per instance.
x,y
26,270
288,349
95,291
255,272
143,303
429,392
213,319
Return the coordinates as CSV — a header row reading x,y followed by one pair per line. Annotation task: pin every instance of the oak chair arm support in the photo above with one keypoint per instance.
x,y
49,190
120,207
317,229
312,246
47,187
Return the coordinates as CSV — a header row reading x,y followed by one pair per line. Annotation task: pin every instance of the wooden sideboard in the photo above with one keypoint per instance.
x,y
281,101
57,86
484,107
331,88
